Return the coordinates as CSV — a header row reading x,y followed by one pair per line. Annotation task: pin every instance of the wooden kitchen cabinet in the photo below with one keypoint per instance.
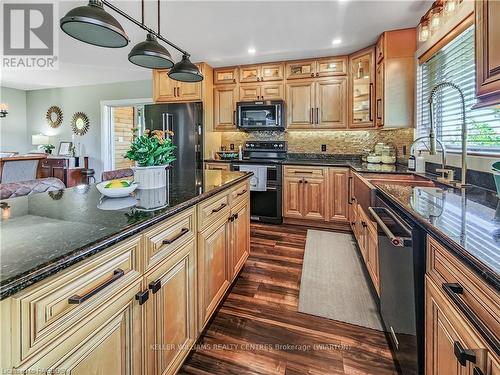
x,y
261,91
218,166
379,95
170,316
300,69
372,261
487,14
239,237
324,67
330,98
227,75
225,98
292,197
250,73
314,198
166,90
315,104
361,89
271,72
213,268
106,341
338,194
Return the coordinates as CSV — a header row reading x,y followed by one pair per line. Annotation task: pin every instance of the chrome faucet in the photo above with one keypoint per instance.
x,y
447,174
432,134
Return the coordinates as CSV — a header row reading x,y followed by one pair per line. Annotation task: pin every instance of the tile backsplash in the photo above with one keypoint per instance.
x,y
337,142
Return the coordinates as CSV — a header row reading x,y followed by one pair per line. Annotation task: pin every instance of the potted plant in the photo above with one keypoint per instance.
x,y
48,149
152,152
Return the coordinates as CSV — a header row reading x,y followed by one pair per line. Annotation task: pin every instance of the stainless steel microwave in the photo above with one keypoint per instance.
x,y
260,115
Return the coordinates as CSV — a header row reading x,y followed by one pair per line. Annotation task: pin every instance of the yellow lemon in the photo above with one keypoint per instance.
x,y
115,184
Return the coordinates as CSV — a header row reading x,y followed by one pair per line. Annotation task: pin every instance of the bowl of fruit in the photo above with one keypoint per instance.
x,y
116,188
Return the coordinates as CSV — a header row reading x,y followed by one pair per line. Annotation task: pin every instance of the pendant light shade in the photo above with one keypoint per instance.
x,y
92,24
151,54
185,71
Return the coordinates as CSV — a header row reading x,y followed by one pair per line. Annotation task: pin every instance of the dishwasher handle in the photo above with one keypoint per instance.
x,y
398,241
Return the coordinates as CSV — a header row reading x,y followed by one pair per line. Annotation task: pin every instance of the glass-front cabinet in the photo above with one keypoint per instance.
x,y
225,75
301,69
361,93
250,73
331,66
271,72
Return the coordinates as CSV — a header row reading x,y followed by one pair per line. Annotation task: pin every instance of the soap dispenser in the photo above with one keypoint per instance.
x,y
420,163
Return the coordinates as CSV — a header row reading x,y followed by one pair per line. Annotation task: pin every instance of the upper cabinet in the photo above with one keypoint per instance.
x,y
324,67
395,79
361,89
225,75
225,97
261,73
250,73
487,52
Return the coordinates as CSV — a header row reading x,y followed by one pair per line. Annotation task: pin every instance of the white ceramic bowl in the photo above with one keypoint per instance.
x,y
115,192
112,204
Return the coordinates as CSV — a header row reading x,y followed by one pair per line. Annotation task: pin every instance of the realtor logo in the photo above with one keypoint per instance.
x,y
29,36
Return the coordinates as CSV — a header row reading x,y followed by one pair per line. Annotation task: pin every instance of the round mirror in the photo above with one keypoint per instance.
x,y
54,116
80,123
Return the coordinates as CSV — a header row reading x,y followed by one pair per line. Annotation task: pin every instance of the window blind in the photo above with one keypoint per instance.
x,y
455,63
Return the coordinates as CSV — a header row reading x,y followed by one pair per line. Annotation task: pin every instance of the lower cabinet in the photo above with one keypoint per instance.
x,y
213,268
240,237
107,341
314,201
170,315
453,347
338,179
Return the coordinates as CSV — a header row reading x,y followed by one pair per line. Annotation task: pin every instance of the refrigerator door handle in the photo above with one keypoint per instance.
x,y
166,123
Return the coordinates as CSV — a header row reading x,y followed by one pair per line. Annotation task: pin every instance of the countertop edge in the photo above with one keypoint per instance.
x,y
10,287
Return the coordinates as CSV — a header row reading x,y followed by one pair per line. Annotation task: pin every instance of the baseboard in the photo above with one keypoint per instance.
x,y
333,225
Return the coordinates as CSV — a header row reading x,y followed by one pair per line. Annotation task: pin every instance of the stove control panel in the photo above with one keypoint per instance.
x,y
266,146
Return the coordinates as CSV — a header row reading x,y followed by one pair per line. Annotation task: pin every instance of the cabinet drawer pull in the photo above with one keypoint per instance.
x,y
219,208
454,290
311,115
142,297
242,192
155,286
234,117
317,115
302,172
77,299
349,194
370,109
463,355
175,238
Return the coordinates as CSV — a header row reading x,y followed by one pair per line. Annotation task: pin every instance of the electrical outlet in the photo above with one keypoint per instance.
x,y
323,148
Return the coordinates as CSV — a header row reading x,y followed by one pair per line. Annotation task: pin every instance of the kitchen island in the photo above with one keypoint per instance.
x,y
127,283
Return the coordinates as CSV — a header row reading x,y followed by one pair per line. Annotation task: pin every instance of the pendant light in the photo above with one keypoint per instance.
x,y
151,54
185,71
92,24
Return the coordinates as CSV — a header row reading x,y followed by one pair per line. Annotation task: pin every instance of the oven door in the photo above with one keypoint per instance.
x,y
260,115
265,206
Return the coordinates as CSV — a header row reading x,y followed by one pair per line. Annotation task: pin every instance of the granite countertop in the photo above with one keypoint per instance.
x,y
467,222
44,233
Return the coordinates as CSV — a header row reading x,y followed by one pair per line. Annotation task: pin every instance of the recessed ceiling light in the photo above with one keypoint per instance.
x,y
252,50
336,41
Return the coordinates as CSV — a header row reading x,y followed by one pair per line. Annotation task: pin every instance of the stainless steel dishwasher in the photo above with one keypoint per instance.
x,y
401,246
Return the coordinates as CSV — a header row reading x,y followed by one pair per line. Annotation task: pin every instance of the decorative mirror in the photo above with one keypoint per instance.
x,y
54,116
80,123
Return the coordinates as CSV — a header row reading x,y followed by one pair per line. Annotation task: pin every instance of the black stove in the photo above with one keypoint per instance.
x,y
265,205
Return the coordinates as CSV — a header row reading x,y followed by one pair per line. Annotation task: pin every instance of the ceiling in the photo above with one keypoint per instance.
x,y
220,33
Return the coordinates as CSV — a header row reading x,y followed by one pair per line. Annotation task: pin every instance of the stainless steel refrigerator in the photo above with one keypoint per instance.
x,y
186,121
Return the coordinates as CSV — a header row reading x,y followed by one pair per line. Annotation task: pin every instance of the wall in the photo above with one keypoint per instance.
x,y
337,142
85,99
13,128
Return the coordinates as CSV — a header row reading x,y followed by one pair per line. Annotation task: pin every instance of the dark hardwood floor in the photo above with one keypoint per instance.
x,y
258,330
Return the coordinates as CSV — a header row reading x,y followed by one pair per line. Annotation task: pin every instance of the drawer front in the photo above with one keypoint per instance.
x,y
239,194
54,163
444,268
46,310
305,171
218,166
213,209
166,237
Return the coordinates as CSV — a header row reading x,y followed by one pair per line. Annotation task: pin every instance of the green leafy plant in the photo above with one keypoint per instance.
x,y
48,148
152,148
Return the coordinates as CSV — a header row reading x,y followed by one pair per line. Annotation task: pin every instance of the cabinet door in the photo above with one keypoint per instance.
x,y
213,278
487,51
271,72
189,91
330,104
337,194
240,238
250,73
249,93
379,95
379,48
447,334
332,66
225,75
225,107
164,88
361,227
314,199
372,254
271,91
301,69
108,341
170,318
361,90
292,197
300,104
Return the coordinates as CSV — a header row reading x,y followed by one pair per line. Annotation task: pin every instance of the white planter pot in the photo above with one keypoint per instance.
x,y
150,177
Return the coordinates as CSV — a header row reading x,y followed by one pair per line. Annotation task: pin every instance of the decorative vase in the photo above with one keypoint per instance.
x,y
150,177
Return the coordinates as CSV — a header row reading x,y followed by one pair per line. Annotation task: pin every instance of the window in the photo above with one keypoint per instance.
x,y
455,63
